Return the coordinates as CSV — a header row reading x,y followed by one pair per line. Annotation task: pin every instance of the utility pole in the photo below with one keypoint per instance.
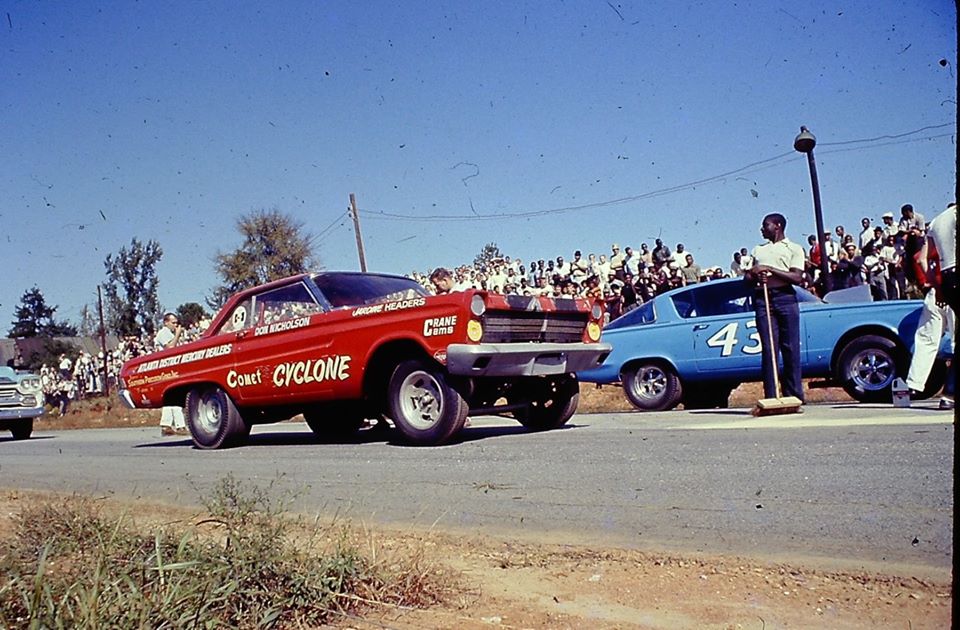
x,y
356,230
103,344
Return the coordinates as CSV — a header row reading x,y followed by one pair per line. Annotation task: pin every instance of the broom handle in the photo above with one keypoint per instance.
x,y
773,350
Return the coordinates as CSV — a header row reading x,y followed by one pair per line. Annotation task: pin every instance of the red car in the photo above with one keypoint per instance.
x,y
343,347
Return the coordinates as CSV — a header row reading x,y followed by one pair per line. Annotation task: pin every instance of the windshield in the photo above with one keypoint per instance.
x,y
353,289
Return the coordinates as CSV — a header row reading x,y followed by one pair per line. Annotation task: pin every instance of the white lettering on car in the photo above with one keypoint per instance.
x,y
312,371
726,339
236,379
386,307
439,326
186,357
290,324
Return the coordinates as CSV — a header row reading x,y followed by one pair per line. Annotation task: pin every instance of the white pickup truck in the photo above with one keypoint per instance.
x,y
21,400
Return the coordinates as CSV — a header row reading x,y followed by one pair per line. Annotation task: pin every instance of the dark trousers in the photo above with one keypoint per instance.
x,y
785,314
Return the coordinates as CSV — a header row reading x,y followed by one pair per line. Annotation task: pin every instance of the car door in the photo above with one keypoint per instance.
x,y
284,355
723,329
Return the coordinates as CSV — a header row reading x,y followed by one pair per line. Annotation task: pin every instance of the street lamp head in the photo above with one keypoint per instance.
x,y
805,141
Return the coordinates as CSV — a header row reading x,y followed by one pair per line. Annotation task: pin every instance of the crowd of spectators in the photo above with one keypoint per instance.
x,y
79,375
879,257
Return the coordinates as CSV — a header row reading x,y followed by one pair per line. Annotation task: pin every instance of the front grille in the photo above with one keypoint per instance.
x,y
9,397
533,326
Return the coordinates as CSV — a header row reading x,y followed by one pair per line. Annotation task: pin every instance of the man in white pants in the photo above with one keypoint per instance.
x,y
171,418
937,316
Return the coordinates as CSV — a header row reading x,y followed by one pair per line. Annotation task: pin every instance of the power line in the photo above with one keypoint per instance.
x,y
753,167
316,237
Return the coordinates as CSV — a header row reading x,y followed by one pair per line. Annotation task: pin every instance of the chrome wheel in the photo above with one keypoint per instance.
x,y
210,412
421,400
868,365
213,418
872,369
423,405
650,382
652,386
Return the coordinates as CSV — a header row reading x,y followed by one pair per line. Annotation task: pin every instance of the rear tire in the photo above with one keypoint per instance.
x,y
652,386
213,419
22,429
553,401
867,367
423,406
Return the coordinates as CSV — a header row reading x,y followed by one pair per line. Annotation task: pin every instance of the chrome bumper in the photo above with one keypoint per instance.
x,y
126,398
524,359
19,413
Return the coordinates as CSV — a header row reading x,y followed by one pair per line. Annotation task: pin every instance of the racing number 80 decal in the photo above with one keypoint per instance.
x,y
726,339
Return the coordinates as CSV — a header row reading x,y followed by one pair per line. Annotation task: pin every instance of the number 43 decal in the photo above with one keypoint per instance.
x,y
726,339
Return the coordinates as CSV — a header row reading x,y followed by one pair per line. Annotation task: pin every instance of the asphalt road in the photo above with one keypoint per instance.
x,y
856,485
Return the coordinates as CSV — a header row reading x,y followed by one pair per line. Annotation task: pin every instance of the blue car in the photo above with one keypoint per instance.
x,y
696,344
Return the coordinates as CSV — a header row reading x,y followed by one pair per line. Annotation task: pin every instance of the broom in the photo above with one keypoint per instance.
x,y
780,404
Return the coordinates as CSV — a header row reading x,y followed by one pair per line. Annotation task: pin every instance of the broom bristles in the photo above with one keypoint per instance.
x,y
777,406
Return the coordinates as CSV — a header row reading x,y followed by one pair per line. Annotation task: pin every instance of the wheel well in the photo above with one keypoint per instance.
x,y
878,331
382,363
177,396
632,363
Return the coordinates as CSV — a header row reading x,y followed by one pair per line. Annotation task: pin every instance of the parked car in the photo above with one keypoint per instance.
x,y
343,347
696,344
21,400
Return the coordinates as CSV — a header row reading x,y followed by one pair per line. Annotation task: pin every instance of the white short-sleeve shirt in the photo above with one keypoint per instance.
x,y
783,255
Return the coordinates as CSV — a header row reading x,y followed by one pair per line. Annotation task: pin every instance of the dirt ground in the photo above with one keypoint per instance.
x,y
511,583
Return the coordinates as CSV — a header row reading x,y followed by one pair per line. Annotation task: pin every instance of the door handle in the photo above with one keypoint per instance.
x,y
700,327
241,334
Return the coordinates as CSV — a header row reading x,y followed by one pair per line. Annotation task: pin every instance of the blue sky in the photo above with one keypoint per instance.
x,y
544,127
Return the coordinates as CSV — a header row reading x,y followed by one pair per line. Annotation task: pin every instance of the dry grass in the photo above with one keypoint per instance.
x,y
72,562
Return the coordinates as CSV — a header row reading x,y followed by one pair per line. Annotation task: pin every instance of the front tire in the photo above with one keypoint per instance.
x,y
553,402
423,406
652,386
213,419
867,367
22,429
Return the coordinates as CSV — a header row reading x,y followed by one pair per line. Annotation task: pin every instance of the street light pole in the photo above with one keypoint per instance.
x,y
804,143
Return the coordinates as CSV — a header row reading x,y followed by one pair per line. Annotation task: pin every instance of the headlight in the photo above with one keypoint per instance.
x,y
29,385
477,306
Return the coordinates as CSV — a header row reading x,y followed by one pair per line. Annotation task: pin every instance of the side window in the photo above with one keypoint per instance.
x,y
239,319
683,302
722,299
285,303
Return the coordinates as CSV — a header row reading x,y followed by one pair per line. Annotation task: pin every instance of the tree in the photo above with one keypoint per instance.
x,y
189,313
35,318
274,246
131,288
88,322
487,255
49,353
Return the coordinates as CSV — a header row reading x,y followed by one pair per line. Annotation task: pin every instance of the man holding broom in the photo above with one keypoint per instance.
x,y
778,266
